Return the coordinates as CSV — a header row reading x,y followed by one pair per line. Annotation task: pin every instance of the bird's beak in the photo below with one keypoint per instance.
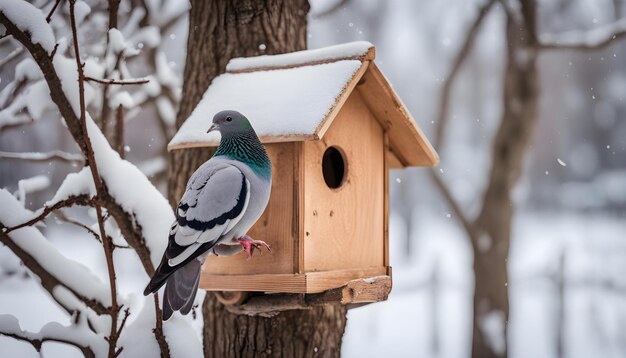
x,y
212,128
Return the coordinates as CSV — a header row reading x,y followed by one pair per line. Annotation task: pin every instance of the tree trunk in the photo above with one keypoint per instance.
x,y
219,31
491,239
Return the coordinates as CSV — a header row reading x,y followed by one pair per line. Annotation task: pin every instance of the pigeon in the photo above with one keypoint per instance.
x,y
223,199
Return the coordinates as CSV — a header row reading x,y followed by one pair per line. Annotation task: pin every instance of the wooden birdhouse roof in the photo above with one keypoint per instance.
x,y
296,96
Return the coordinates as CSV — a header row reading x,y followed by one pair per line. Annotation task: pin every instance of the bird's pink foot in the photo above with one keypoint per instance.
x,y
250,244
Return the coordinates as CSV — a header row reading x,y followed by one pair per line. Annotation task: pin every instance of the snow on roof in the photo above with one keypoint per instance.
x,y
352,50
287,103
296,96
290,103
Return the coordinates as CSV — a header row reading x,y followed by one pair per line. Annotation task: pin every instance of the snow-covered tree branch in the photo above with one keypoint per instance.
x,y
585,40
128,207
90,344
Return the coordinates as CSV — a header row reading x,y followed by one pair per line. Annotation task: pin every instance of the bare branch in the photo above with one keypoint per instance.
x,y
454,205
444,104
584,40
93,166
61,216
118,82
38,157
71,201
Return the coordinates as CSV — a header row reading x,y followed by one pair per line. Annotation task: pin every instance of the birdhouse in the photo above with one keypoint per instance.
x,y
333,128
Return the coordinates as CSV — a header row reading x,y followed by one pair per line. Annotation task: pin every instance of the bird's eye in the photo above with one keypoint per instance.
x,y
229,119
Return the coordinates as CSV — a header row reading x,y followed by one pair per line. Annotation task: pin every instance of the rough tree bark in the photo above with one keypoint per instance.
x,y
219,31
492,235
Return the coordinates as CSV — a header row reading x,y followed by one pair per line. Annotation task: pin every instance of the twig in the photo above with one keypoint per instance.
x,y
467,224
44,157
107,242
61,216
158,330
126,314
12,55
72,200
119,133
56,4
54,51
444,104
113,9
14,88
472,33
118,82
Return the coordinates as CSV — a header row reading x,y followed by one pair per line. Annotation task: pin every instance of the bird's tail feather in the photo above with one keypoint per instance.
x,y
181,288
161,275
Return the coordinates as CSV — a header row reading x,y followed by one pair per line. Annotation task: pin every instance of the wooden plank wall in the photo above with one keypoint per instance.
x,y
343,227
278,226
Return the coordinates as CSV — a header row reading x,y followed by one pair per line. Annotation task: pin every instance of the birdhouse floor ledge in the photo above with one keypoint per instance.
x,y
307,282
353,294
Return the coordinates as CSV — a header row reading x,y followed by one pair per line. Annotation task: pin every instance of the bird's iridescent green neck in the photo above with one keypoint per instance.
x,y
247,148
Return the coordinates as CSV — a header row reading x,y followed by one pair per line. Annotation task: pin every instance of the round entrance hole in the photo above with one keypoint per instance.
x,y
333,167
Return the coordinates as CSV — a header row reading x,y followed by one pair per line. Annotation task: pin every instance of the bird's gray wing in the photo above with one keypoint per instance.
x,y
216,199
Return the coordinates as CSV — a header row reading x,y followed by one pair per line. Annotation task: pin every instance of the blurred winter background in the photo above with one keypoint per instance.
x,y
567,262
